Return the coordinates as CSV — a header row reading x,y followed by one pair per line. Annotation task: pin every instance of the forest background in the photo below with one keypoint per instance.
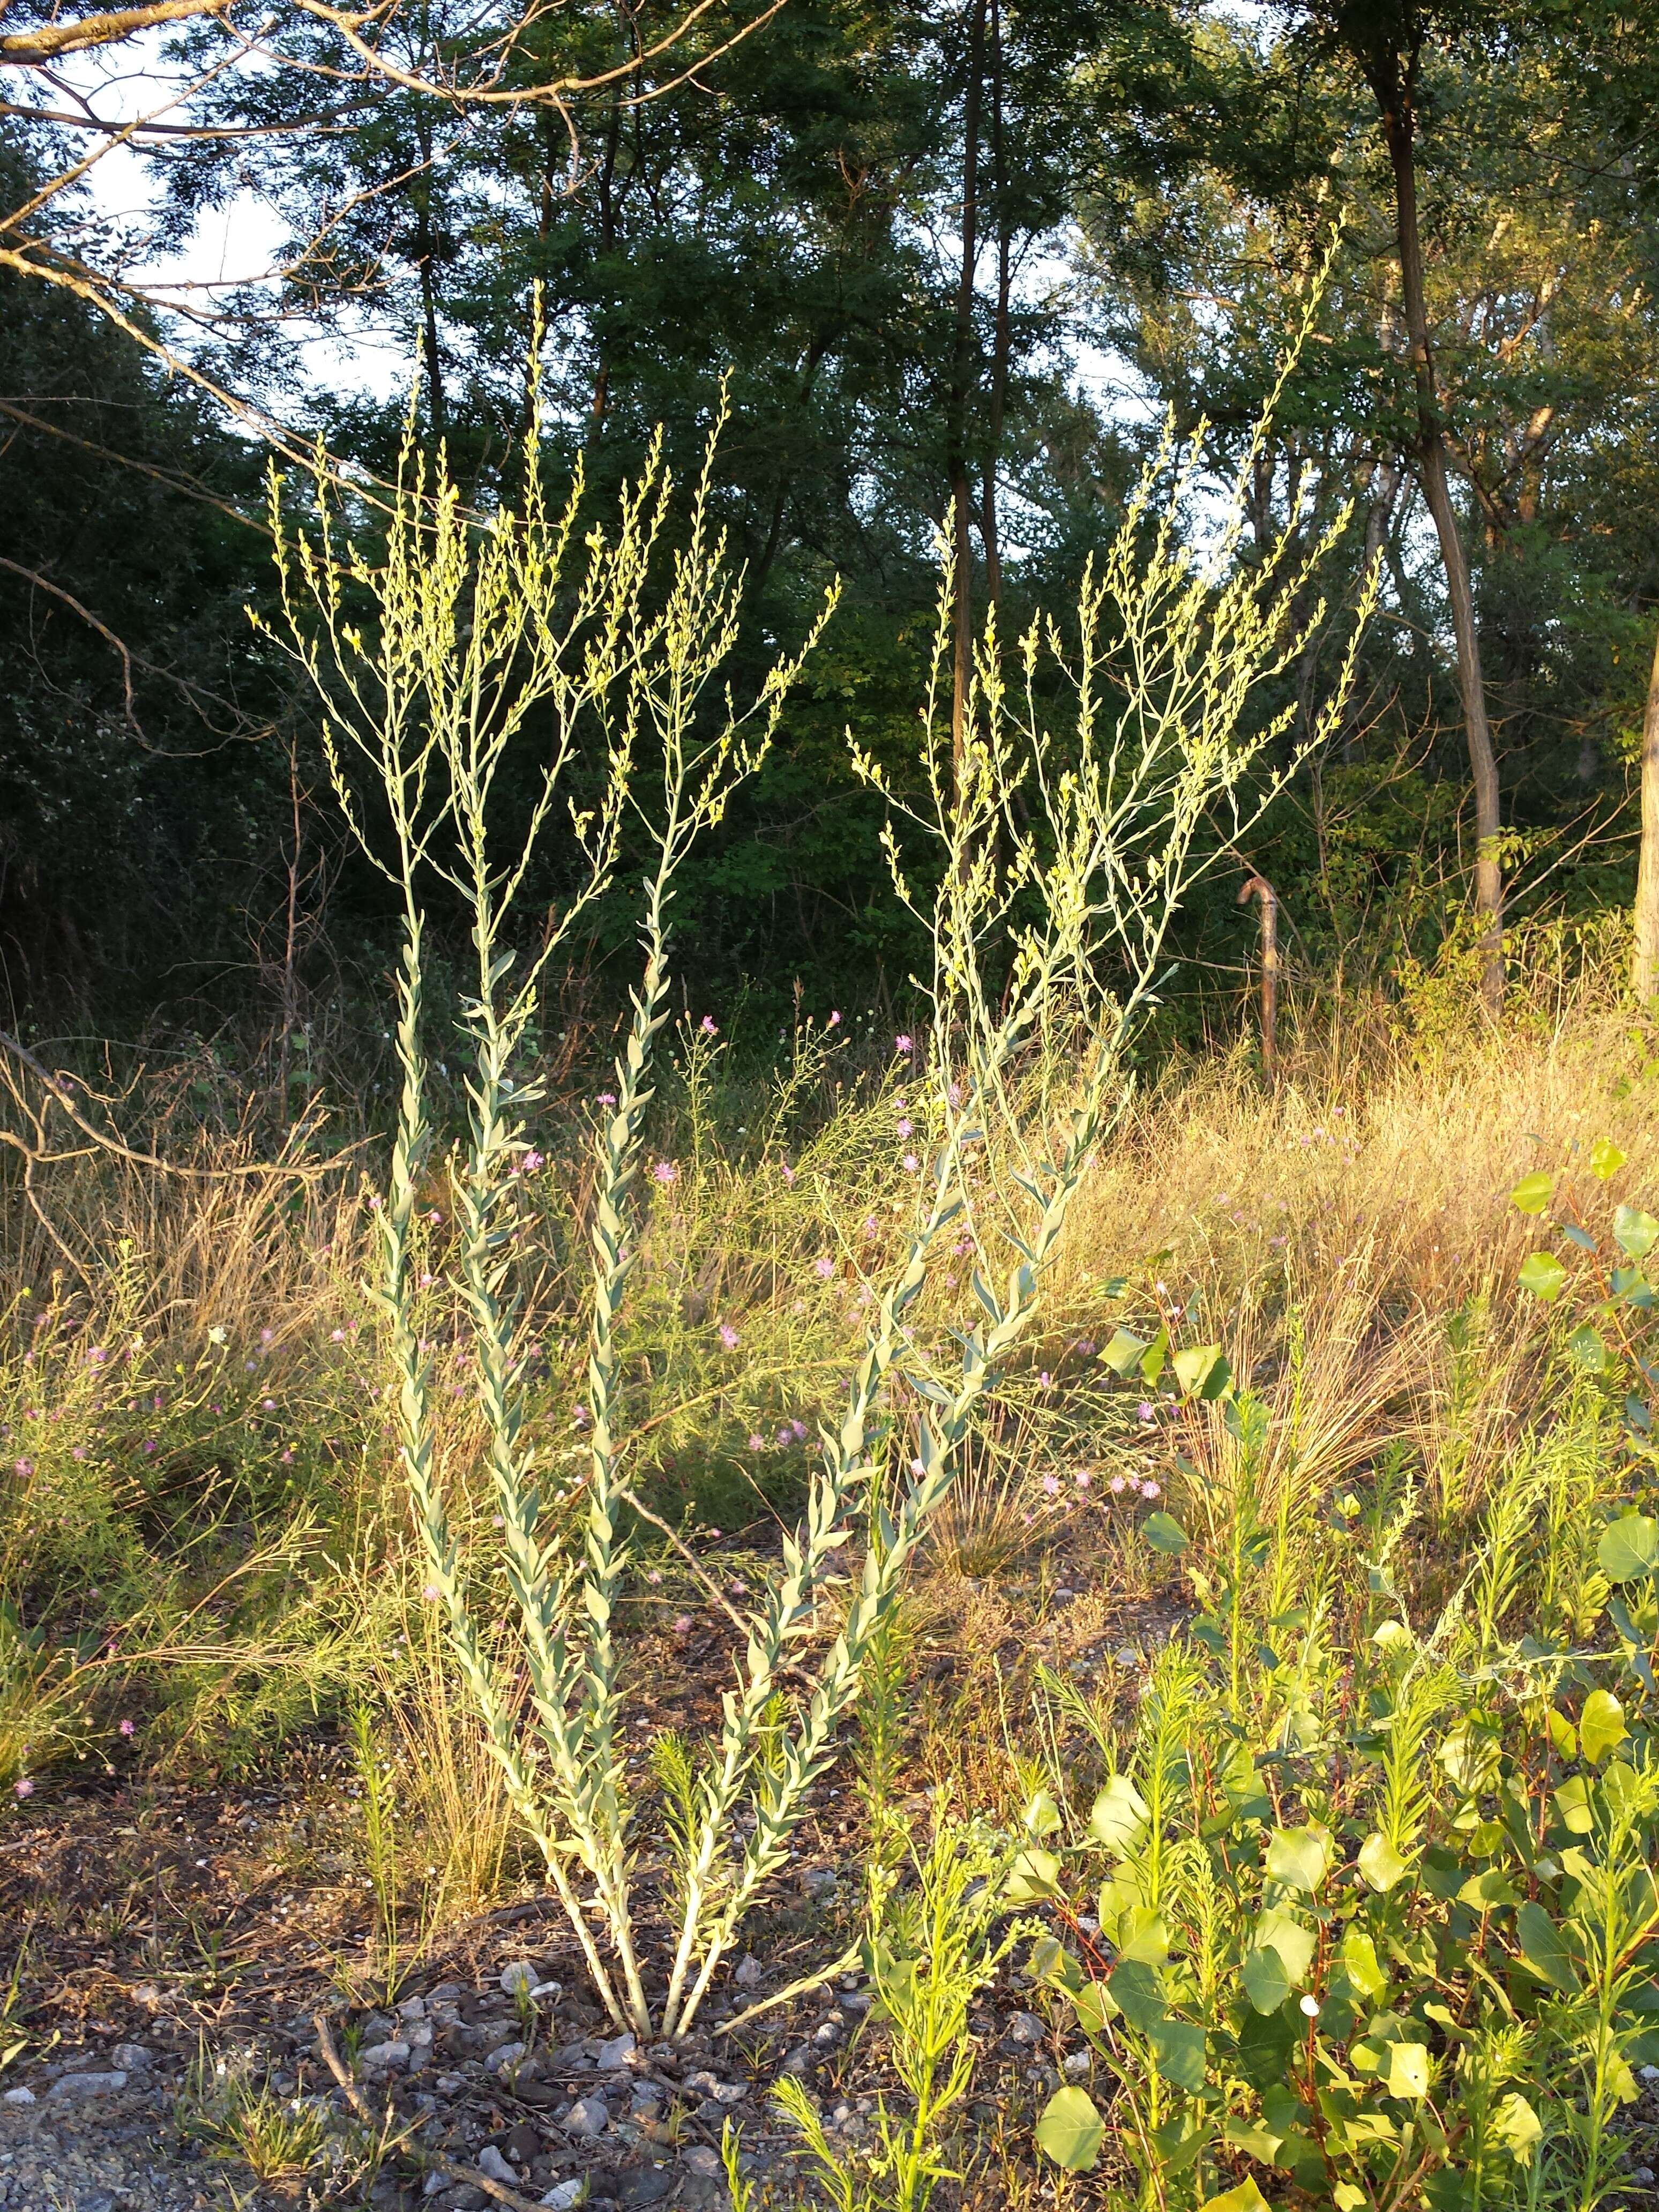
x,y
958,263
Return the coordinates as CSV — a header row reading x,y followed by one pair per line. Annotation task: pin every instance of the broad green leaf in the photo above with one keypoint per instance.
x,y
1542,1273
1143,1938
1299,1857
1634,1232
1533,1192
1163,1533
1600,1725
1486,1891
1573,1804
1605,1158
1293,1944
1178,2051
1347,2198
1034,1875
1094,2005
1135,1991
1118,1818
1545,1948
1122,1355
1192,1366
1042,1814
1589,1349
1254,2137
1629,1548
1405,2070
1380,1863
1247,2198
1359,1955
1518,2127
1266,1985
1071,2131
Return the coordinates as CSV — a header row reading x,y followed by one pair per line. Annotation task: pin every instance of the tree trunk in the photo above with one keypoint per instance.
x,y
1396,95
962,380
1644,956
425,248
988,529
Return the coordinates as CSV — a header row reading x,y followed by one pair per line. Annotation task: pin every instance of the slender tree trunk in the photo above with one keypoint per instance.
x,y
1398,103
962,381
1000,342
1258,887
425,246
1644,956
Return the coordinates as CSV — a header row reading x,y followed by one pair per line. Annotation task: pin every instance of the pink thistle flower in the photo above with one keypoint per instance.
x,y
531,1160
127,1727
910,1164
1116,1486
336,1336
1149,1490
798,1429
904,1125
788,1174
683,1625
835,1018
80,1450
1083,1478
756,1441
666,1172
1144,1410
23,1787
824,1267
24,1465
607,1099
728,1336
903,1046
1051,1486
431,1593
708,1026
655,1574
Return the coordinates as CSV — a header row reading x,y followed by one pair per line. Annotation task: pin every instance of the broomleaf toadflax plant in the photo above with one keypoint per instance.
x,y
1055,863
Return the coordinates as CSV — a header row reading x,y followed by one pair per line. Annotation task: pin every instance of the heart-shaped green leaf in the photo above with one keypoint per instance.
x,y
1071,2131
1266,1985
1163,1533
1542,1273
1634,1232
1600,1725
1629,1548
1545,1948
1118,1818
1605,1158
1533,1192
1299,1857
1380,1863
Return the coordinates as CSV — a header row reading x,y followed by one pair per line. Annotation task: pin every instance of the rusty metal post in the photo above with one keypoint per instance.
x,y
1258,887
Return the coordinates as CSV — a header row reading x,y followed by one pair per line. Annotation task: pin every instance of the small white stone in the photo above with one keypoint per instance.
x,y
491,2162
1650,2073
703,2084
18,2097
616,2053
563,2194
91,2085
700,2158
1026,2027
132,2057
1074,2065
521,1975
434,2182
748,1973
504,2055
588,2116
393,2052
552,1990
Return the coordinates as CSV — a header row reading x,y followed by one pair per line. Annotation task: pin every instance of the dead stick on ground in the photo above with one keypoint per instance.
x,y
451,2169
